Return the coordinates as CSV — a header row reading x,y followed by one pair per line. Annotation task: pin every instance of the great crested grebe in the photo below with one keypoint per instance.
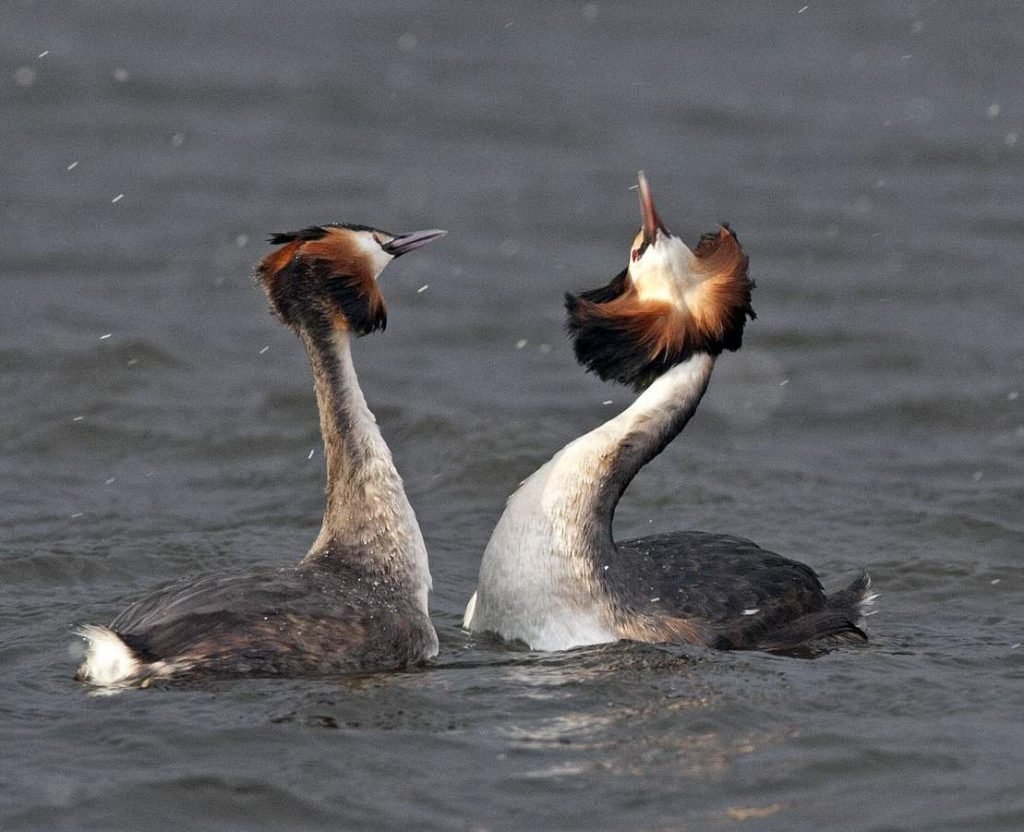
x,y
553,577
358,599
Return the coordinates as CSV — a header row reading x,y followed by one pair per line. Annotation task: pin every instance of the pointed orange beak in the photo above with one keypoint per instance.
x,y
652,223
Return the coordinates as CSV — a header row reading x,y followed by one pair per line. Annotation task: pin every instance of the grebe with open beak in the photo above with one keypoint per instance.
x,y
358,600
552,575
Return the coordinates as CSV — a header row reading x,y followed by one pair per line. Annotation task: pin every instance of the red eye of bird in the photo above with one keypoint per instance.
x,y
638,252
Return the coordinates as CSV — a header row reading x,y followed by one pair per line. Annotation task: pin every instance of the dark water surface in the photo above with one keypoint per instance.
x,y
156,422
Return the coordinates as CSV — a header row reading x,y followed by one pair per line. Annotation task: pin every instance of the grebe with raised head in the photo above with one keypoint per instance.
x,y
552,575
358,599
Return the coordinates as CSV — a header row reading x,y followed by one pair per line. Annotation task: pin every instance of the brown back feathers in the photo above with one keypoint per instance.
x,y
321,277
619,335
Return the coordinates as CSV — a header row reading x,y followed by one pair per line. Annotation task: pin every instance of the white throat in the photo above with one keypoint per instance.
x,y
665,272
538,576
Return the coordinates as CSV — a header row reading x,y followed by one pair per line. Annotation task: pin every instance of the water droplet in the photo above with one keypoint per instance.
x,y
24,76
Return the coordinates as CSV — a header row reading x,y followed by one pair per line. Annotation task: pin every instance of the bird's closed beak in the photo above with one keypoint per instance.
x,y
651,222
404,243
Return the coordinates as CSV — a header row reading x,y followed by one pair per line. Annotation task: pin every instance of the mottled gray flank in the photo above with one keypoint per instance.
x,y
869,156
312,620
736,594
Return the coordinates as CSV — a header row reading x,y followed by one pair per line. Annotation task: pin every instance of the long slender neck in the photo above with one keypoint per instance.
x,y
592,472
538,578
368,521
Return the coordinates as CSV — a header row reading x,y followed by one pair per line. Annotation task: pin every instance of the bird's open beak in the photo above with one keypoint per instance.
x,y
404,243
652,223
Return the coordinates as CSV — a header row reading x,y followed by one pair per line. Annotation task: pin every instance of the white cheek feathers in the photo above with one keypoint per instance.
x,y
665,271
669,304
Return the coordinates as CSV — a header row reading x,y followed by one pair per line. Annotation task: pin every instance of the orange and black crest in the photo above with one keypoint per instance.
x,y
619,335
320,276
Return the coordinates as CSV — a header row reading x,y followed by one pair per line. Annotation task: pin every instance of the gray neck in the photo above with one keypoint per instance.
x,y
539,576
368,522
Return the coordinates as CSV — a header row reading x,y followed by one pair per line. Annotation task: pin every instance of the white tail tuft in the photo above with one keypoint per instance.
x,y
108,660
865,606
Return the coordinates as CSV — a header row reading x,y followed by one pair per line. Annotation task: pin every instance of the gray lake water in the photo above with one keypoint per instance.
x,y
155,421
